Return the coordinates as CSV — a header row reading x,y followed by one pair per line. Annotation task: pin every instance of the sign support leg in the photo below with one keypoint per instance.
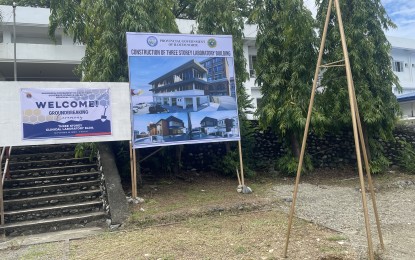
x,y
241,163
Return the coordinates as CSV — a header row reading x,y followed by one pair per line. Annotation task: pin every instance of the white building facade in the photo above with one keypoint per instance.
x,y
38,58
41,59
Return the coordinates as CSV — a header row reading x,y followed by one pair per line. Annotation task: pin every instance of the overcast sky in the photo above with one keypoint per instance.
x,y
402,13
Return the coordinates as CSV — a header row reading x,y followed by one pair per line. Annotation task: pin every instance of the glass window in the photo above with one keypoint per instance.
x,y
397,66
252,64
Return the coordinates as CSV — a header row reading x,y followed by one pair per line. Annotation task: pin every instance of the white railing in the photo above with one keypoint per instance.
x,y
5,153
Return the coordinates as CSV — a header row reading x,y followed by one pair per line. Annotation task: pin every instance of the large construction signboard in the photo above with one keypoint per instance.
x,y
182,89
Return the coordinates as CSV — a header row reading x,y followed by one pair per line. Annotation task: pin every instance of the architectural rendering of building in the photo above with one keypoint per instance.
x,y
208,125
217,76
169,126
184,86
224,127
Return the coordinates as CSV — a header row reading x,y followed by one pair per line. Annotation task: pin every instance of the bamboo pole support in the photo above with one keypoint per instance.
x,y
241,163
352,99
132,170
134,192
357,132
307,125
237,175
369,175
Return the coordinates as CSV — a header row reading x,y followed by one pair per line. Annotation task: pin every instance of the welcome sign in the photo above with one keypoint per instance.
x,y
182,89
59,113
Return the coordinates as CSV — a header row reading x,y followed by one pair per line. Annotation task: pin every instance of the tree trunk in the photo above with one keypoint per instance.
x,y
295,146
366,139
178,157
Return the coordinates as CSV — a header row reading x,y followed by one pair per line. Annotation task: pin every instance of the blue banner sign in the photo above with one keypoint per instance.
x,y
62,113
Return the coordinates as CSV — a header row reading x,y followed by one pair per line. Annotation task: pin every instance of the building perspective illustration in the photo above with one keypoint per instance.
x,y
194,85
224,127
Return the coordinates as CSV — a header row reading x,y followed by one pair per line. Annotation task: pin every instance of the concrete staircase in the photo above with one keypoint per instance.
x,y
51,190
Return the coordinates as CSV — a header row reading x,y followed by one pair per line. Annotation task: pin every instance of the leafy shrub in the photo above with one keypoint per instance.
x,y
406,158
288,164
82,149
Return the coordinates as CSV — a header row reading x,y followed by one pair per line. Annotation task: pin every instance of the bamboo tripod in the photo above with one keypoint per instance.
x,y
357,133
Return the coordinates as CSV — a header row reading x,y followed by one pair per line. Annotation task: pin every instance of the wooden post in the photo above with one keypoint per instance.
x,y
132,171
307,125
352,99
241,163
369,175
134,192
357,133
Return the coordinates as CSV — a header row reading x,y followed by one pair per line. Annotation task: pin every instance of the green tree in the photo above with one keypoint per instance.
x,y
369,52
286,55
226,18
101,26
184,9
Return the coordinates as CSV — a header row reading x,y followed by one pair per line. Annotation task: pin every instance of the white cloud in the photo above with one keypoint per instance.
x,y
402,13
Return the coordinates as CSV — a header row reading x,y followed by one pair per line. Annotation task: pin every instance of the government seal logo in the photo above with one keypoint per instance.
x,y
152,41
211,43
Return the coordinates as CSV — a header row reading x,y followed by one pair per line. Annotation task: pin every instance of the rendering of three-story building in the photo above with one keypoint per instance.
x,y
193,84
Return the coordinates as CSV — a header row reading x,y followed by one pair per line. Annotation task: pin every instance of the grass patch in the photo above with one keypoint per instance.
x,y
240,250
337,238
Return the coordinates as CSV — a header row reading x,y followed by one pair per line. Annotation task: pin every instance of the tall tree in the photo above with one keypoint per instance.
x,y
184,9
369,52
101,26
226,18
286,55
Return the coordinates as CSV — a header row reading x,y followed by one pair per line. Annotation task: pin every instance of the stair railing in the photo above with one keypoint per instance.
x,y
5,153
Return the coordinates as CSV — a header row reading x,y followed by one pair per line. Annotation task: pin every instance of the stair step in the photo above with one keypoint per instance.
x,y
52,170
18,165
52,211
16,193
52,179
51,224
69,197
68,206
33,149
42,156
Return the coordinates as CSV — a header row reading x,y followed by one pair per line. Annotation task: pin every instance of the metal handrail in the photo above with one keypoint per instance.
x,y
3,174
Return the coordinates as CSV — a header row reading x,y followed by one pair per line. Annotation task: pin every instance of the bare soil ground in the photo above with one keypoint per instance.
x,y
203,217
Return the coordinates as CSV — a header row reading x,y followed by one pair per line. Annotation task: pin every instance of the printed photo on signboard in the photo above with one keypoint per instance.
x,y
175,79
59,113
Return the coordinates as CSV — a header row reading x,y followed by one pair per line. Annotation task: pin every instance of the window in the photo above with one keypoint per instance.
x,y
397,66
258,102
252,64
